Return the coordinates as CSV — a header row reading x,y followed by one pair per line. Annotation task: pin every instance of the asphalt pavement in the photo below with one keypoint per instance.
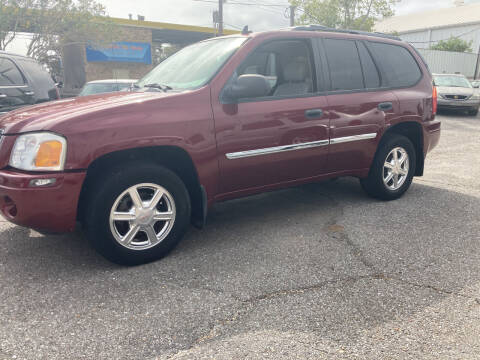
x,y
318,272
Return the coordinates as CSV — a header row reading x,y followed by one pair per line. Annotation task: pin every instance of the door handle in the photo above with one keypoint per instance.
x,y
2,96
29,93
314,113
386,106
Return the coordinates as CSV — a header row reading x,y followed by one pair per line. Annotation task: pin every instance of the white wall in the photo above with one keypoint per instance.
x,y
423,39
450,62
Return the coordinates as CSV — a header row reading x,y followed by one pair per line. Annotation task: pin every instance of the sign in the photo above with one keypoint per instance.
x,y
133,52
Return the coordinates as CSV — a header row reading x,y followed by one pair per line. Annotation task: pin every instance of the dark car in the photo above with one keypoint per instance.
x,y
221,119
23,82
106,86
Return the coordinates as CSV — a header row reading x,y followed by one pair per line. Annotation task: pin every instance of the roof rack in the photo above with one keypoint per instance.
x,y
344,31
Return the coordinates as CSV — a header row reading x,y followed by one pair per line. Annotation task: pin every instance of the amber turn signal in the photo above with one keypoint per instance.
x,y
49,154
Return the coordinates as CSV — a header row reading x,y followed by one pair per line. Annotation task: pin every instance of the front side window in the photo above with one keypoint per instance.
x,y
398,65
193,66
287,65
9,73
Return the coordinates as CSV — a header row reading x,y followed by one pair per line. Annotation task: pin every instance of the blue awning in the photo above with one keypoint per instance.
x,y
133,52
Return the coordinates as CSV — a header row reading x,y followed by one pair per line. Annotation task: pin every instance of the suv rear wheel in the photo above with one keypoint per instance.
x,y
138,214
473,112
392,169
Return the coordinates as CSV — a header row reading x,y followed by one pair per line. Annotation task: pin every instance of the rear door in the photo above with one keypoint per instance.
x,y
42,85
14,90
359,103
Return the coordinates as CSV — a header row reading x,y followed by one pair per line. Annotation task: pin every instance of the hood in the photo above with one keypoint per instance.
x,y
447,90
47,115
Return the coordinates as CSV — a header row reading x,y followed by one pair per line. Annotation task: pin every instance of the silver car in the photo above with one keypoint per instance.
x,y
106,86
457,93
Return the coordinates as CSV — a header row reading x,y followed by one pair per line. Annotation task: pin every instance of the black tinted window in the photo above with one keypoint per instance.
x,y
344,64
37,73
9,73
398,64
370,72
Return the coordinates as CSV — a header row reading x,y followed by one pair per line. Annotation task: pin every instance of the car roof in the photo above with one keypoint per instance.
x,y
317,29
113,81
6,53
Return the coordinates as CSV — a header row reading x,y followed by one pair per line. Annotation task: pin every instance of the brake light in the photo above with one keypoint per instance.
x,y
434,100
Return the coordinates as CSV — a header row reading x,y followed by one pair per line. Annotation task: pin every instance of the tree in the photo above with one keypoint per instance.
x,y
344,14
453,44
53,24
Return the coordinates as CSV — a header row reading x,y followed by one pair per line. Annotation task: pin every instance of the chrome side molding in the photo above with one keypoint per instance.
x,y
345,139
302,146
276,149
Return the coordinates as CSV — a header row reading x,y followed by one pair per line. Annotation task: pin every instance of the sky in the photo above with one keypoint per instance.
x,y
199,12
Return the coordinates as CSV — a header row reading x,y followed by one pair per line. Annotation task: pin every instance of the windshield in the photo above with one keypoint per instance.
x,y
91,89
452,81
193,66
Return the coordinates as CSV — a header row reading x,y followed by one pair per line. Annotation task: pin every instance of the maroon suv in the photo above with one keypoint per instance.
x,y
221,119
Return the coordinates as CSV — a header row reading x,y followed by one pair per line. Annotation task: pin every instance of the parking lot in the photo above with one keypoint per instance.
x,y
318,271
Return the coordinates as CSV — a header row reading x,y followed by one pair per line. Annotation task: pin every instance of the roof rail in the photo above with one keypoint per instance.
x,y
344,31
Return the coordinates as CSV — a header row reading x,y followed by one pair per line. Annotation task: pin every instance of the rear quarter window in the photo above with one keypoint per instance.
x,y
398,64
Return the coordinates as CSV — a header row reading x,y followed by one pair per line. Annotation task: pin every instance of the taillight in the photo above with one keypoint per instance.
x,y
434,100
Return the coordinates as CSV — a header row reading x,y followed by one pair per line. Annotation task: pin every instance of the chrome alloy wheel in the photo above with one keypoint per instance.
x,y
142,216
395,169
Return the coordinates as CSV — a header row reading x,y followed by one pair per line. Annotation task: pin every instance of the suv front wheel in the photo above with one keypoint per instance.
x,y
138,214
392,169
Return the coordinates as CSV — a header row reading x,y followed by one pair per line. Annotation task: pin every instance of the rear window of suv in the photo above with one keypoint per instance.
x,y
398,64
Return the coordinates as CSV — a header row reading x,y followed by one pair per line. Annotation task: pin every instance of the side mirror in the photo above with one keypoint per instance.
x,y
477,86
248,86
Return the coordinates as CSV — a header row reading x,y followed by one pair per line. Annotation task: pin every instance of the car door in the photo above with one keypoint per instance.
x,y
359,104
280,137
14,91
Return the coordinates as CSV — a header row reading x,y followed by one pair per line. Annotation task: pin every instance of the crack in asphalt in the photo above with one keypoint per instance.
x,y
335,231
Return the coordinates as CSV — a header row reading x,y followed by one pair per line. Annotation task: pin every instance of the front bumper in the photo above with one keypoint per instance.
x,y
50,208
458,104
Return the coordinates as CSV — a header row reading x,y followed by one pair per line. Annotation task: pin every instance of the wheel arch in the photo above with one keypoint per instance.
x,y
172,157
413,131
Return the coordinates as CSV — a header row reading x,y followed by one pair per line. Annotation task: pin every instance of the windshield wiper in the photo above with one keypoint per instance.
x,y
162,87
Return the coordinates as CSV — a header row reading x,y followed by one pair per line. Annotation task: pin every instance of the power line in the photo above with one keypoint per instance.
x,y
243,3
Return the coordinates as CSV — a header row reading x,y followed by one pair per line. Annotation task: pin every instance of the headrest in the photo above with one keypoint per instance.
x,y
295,71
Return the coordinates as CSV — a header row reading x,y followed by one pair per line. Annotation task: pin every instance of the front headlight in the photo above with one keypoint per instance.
x,y
41,151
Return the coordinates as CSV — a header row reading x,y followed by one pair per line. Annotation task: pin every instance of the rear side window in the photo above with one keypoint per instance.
x,y
398,65
9,73
344,64
370,72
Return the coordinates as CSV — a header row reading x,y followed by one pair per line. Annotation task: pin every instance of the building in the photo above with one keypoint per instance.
x,y
138,45
425,29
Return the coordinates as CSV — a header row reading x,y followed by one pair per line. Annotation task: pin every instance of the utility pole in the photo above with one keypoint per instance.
x,y
220,17
292,16
477,65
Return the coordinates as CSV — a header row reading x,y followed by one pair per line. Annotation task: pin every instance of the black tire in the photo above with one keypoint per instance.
x,y
374,184
103,196
473,112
